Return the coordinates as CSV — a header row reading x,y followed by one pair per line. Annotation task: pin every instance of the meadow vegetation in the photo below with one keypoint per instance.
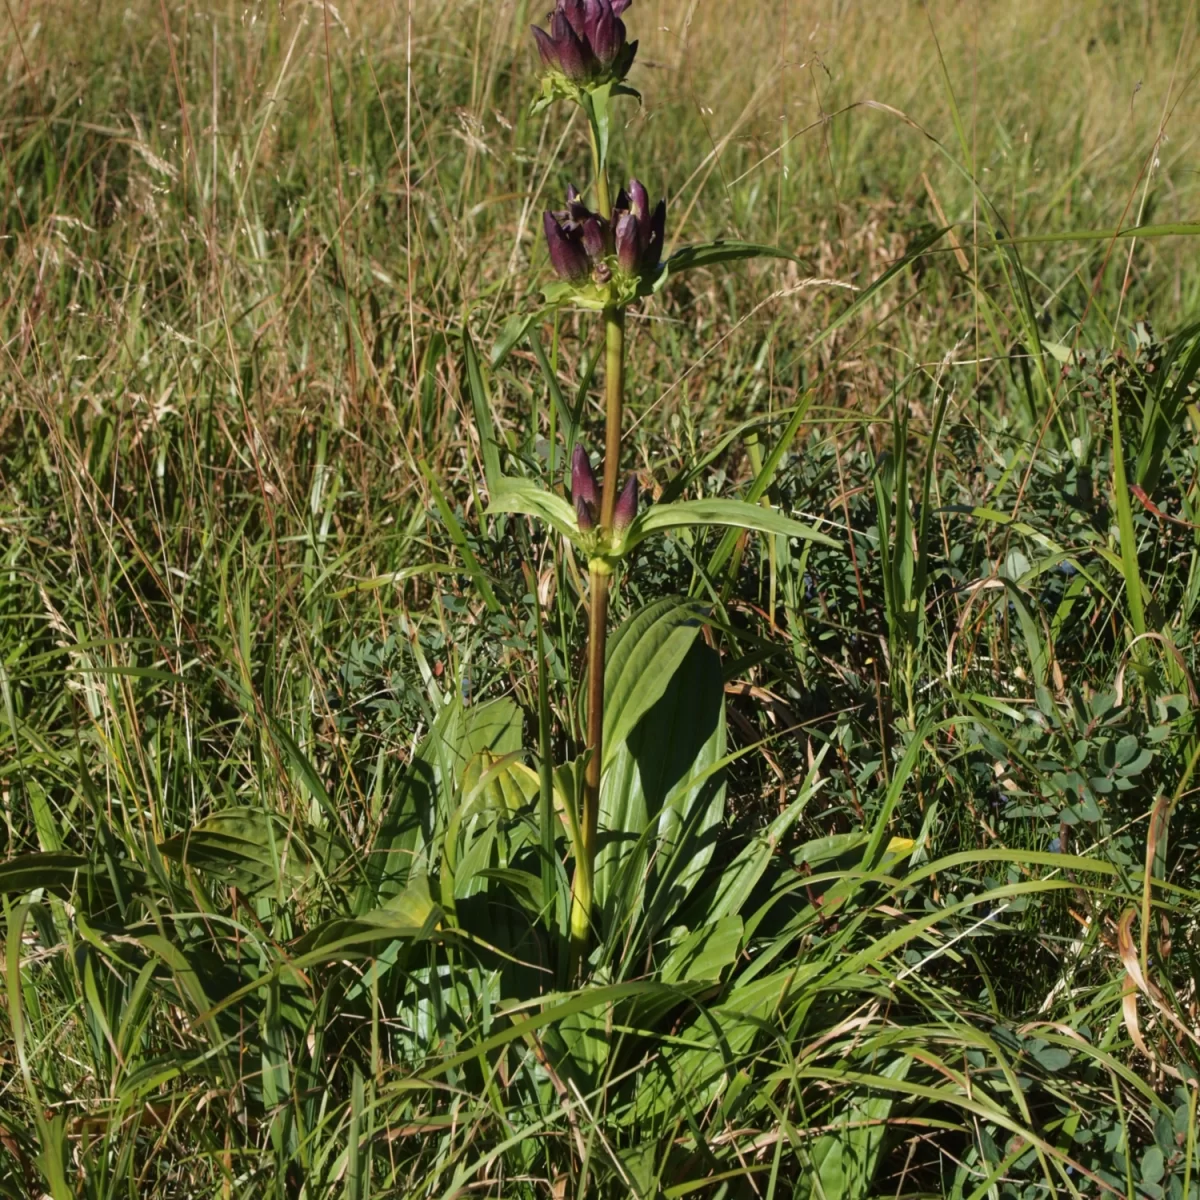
x,y
897,877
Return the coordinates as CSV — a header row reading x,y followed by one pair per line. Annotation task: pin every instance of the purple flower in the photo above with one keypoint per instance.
x,y
626,507
583,482
567,253
584,491
586,42
638,232
585,514
578,240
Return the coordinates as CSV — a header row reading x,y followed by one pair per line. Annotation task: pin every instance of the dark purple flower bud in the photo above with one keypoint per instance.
x,y
586,42
547,48
593,237
585,514
638,232
628,249
583,482
605,32
626,506
567,255
574,57
639,202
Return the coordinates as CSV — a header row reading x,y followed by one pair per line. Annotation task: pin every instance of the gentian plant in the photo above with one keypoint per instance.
x,y
607,260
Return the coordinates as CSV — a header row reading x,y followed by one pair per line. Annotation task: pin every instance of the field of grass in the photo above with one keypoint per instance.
x,y
934,932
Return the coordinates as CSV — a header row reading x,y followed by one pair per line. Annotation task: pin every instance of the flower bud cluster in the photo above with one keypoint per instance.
x,y
586,495
586,44
585,247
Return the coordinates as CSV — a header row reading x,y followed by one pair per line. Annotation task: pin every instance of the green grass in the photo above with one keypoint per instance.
x,y
246,571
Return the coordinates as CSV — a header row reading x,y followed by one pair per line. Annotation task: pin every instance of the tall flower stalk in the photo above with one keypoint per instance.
x,y
599,572
606,260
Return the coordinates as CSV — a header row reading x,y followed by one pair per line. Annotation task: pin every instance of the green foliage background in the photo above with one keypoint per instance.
x,y
245,573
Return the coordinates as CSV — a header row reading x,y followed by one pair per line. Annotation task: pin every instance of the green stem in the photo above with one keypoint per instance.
x,y
614,381
583,884
582,889
599,171
545,766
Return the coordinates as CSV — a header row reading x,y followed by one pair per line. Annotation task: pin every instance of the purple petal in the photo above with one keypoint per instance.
x,y
573,55
626,506
594,241
628,243
585,514
639,200
619,6
606,37
575,12
583,482
567,256
592,11
547,48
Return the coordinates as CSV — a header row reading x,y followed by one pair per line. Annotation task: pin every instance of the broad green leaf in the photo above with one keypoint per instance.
x,y
844,1162
492,790
427,794
661,801
524,885
705,952
251,849
514,495
413,906
643,655
691,1070
737,513
57,872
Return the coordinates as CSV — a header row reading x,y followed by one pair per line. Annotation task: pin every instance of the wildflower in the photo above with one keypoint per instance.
x,y
578,241
584,490
638,231
586,43
568,255
585,514
583,243
626,507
